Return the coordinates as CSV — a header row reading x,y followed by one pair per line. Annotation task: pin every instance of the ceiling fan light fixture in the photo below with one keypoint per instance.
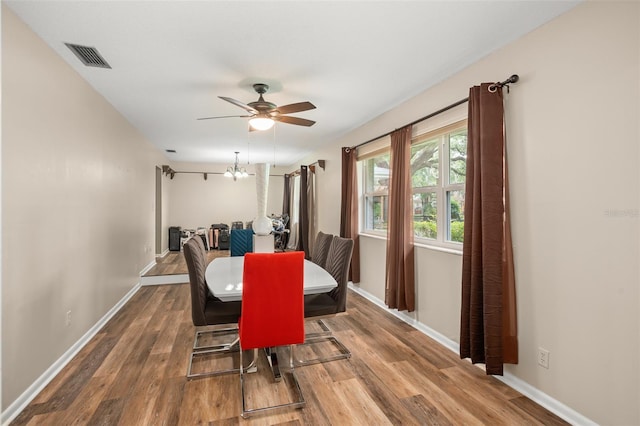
x,y
263,114
261,122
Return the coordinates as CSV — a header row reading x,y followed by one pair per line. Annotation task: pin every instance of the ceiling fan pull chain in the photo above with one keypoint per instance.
x,y
274,146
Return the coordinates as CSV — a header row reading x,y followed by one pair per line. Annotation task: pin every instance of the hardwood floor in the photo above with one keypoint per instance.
x,y
133,373
173,263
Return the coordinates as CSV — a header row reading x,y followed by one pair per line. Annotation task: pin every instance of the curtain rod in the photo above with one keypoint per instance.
x,y
319,163
171,173
513,79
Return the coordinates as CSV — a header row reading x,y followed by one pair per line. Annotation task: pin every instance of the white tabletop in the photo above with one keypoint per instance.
x,y
224,278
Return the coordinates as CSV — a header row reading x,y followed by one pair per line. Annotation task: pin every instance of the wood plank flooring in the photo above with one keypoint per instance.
x,y
173,263
133,373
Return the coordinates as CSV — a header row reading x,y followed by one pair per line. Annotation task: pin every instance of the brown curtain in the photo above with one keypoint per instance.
x,y
349,226
286,198
311,208
488,332
303,220
294,205
400,286
286,209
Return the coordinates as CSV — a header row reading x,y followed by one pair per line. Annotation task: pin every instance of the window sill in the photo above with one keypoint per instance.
x,y
374,236
422,245
449,250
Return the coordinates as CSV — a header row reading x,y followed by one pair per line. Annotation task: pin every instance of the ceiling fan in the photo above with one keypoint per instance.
x,y
263,114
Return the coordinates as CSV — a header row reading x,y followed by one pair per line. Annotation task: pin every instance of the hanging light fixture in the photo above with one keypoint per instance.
x,y
236,171
261,122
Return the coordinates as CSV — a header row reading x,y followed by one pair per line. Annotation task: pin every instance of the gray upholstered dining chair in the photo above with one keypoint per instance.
x,y
207,310
321,249
326,305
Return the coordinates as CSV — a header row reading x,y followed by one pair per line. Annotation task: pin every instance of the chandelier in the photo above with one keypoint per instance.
x,y
236,171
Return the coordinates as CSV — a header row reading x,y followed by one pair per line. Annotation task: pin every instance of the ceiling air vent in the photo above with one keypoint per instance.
x,y
88,55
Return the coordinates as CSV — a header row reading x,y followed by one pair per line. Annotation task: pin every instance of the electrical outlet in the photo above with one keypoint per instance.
x,y
68,319
543,357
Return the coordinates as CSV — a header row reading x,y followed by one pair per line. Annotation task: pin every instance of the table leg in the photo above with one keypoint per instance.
x,y
252,367
272,357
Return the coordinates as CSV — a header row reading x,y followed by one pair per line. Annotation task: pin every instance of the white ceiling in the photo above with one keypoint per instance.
x,y
353,59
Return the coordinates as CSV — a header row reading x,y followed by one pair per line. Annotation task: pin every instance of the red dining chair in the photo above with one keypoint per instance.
x,y
272,313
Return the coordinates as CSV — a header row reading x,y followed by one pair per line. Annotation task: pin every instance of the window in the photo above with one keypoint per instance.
x,y
438,169
454,187
376,192
425,174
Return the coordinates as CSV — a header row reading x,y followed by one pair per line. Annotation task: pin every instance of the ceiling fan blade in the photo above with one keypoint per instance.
x,y
295,120
224,116
240,104
297,107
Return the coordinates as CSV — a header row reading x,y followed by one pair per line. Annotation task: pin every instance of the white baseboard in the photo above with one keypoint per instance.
x,y
440,338
36,387
536,395
148,267
544,400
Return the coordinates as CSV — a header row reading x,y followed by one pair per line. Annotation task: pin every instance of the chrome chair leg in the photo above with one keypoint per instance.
x,y
325,335
217,331
199,351
228,349
343,351
326,331
299,401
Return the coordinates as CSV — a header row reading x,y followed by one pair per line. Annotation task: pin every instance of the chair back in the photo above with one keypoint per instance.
x,y
272,300
241,241
338,260
321,249
195,256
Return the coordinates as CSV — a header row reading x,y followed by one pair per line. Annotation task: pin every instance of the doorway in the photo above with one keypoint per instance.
x,y
158,211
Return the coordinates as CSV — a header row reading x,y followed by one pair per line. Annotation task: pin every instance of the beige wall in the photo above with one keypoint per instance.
x,y
573,139
196,202
77,206
77,202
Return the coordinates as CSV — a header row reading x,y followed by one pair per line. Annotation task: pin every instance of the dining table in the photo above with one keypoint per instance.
x,y
224,279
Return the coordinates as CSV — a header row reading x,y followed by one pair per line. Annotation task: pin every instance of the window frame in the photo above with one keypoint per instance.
x,y
364,195
442,189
